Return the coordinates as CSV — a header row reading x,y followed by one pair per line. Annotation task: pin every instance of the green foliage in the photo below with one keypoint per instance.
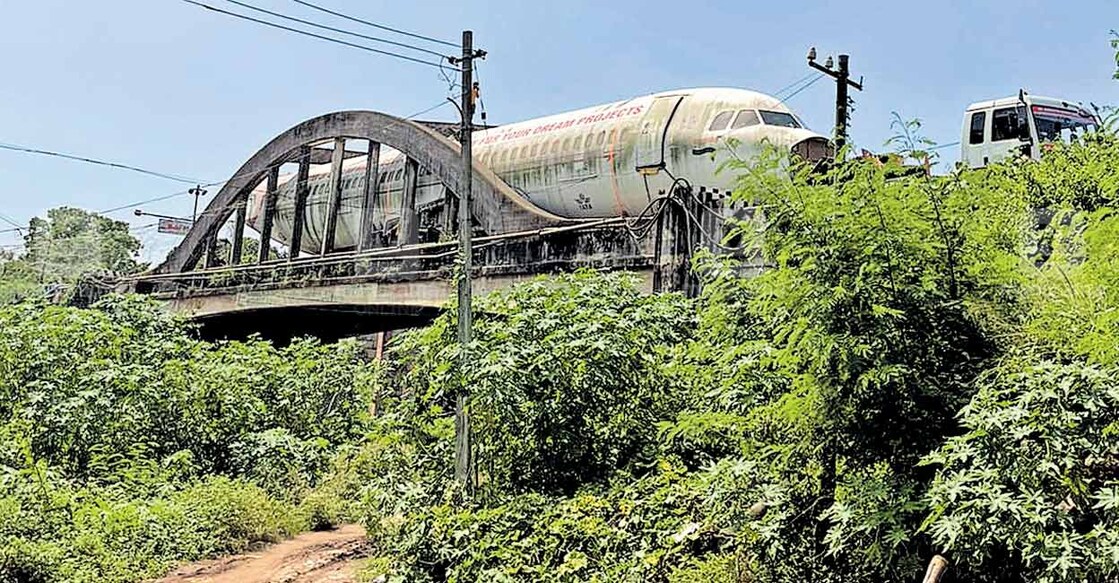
x,y
1115,46
632,531
127,378
127,446
1030,490
56,532
69,247
563,377
71,242
926,365
1083,174
18,280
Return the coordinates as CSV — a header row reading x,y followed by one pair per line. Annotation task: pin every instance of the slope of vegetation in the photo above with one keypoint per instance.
x,y
126,446
929,366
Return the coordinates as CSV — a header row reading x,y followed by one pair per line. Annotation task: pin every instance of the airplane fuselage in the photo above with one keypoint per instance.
x,y
603,161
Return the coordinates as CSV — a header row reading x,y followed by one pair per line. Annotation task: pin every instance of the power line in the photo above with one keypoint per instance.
x,y
942,146
8,220
375,25
430,109
793,84
203,185
143,202
313,35
337,30
803,87
27,150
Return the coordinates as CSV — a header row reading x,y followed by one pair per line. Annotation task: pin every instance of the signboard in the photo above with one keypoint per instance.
x,y
174,226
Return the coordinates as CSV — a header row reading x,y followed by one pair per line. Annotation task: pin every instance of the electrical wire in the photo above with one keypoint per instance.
x,y
29,150
8,220
437,65
802,88
793,84
375,25
443,103
942,146
337,30
131,205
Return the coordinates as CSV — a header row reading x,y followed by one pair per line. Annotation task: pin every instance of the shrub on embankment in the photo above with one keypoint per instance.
x,y
925,369
127,446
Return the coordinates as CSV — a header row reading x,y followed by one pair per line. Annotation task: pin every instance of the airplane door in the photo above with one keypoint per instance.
x,y
652,132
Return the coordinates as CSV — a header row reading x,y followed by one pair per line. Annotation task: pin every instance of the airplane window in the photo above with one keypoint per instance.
x,y
555,146
746,118
601,138
535,149
779,118
721,121
578,143
567,145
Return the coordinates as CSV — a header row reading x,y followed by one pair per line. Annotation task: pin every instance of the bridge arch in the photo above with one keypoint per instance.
x,y
496,207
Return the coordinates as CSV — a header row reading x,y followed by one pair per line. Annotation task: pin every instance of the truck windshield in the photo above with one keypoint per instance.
x,y
1061,125
779,118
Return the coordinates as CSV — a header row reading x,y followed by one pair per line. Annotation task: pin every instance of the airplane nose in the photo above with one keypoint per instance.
x,y
814,149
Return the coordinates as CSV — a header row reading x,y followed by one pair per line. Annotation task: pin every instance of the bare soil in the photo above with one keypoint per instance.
x,y
315,557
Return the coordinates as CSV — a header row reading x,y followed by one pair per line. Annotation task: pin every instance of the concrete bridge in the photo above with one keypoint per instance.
x,y
401,280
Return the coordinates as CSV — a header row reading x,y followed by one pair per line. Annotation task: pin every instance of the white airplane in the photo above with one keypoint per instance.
x,y
603,161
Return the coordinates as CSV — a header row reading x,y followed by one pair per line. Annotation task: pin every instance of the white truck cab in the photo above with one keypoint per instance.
x,y
1020,126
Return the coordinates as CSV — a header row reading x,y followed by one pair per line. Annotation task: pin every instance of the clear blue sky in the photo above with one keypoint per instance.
x,y
168,86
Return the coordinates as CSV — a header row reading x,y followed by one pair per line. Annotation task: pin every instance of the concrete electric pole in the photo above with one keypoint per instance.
x,y
843,80
197,191
464,461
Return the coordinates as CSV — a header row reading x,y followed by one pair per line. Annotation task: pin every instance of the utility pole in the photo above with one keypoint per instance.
x,y
464,461
197,191
843,80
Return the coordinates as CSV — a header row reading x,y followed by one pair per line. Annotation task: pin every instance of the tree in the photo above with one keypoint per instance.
x,y
73,242
66,247
1115,45
17,279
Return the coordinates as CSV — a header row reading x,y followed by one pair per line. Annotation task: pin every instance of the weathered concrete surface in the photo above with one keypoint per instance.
x,y
390,296
364,292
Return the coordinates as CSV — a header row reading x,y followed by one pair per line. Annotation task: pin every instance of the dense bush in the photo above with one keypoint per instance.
x,y
563,379
924,368
126,445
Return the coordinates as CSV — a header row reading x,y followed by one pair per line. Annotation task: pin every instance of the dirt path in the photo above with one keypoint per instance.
x,y
315,557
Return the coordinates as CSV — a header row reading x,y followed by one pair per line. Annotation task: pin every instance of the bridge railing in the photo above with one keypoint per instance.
x,y
603,244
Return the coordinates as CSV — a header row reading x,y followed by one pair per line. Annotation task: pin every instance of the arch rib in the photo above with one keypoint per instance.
x,y
496,207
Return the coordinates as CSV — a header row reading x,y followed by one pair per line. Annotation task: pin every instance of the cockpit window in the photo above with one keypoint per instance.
x,y
721,121
779,118
746,118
